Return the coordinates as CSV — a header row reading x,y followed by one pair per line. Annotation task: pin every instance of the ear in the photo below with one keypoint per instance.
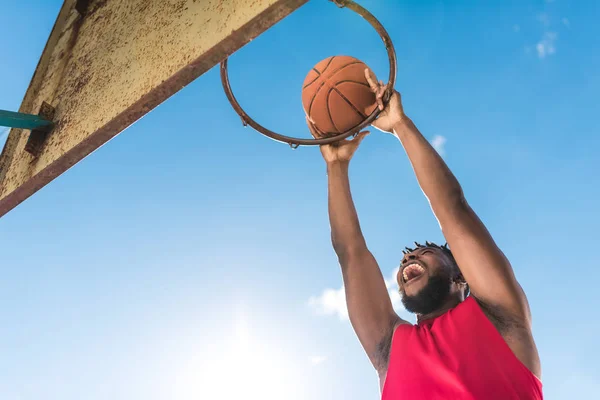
x,y
459,278
461,287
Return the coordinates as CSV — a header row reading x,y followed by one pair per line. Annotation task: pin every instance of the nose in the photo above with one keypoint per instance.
x,y
408,257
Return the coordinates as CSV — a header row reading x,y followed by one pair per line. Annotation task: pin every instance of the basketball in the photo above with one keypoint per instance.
x,y
336,95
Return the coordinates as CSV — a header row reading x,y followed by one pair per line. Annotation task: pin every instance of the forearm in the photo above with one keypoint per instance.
x,y
435,178
345,228
369,306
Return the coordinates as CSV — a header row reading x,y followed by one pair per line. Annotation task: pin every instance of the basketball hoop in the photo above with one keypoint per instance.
x,y
296,142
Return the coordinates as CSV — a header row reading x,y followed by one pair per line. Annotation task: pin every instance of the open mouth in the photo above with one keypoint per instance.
x,y
412,272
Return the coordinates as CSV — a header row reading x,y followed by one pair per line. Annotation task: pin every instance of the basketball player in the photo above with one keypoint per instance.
x,y
473,337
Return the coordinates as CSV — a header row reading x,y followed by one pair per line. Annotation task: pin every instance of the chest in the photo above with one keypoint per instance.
x,y
459,357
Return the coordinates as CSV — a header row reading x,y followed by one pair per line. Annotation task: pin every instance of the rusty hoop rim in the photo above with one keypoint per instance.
x,y
296,142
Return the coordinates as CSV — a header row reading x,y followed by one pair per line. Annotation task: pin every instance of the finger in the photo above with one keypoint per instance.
x,y
311,125
372,79
313,129
361,136
380,95
311,122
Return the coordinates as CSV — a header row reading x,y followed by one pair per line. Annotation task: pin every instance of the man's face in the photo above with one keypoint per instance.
x,y
425,280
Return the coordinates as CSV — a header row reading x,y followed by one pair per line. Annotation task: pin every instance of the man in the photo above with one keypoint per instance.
x,y
473,337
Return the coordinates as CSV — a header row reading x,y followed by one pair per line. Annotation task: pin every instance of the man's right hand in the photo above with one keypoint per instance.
x,y
337,152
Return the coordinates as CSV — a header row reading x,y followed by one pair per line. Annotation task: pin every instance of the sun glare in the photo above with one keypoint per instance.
x,y
244,367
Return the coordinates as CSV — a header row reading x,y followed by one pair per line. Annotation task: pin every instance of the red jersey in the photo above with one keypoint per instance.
x,y
457,356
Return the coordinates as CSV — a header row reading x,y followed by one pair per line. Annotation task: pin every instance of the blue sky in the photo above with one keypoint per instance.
x,y
191,262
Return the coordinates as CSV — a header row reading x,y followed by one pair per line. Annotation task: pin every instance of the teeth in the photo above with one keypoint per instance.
x,y
408,267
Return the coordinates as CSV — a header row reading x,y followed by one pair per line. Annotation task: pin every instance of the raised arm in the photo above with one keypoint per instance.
x,y
487,271
369,305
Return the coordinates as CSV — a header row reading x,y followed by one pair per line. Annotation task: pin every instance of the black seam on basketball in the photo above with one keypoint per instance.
x,y
318,73
329,111
334,72
359,83
314,97
350,103
313,81
328,64
341,68
323,84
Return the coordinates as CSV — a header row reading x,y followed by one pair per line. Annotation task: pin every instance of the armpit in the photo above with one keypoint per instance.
x,y
382,353
504,323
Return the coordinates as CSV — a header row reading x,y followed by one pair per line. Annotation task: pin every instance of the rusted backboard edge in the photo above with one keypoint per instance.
x,y
34,85
236,40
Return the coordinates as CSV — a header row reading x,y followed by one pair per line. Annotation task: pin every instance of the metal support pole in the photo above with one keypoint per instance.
x,y
40,126
23,121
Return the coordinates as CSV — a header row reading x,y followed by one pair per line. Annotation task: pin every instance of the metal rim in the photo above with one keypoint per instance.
x,y
296,142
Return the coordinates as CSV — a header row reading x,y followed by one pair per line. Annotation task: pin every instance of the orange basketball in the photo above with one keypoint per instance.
x,y
336,95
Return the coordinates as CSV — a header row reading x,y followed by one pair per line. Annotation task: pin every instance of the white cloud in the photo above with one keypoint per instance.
x,y
438,143
330,302
544,19
316,360
546,46
392,287
333,301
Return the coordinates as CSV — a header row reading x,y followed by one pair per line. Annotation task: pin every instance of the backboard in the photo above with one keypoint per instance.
x,y
109,62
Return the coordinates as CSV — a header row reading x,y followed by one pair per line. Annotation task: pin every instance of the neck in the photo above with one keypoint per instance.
x,y
449,304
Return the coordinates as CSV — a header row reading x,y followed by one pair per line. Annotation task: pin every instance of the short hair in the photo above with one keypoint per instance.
x,y
446,250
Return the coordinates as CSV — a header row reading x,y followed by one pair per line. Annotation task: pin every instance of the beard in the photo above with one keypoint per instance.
x,y
430,298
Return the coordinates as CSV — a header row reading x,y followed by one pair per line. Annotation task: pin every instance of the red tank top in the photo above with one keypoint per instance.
x,y
457,356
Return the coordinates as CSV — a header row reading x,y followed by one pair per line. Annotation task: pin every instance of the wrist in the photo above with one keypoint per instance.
x,y
401,126
337,165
